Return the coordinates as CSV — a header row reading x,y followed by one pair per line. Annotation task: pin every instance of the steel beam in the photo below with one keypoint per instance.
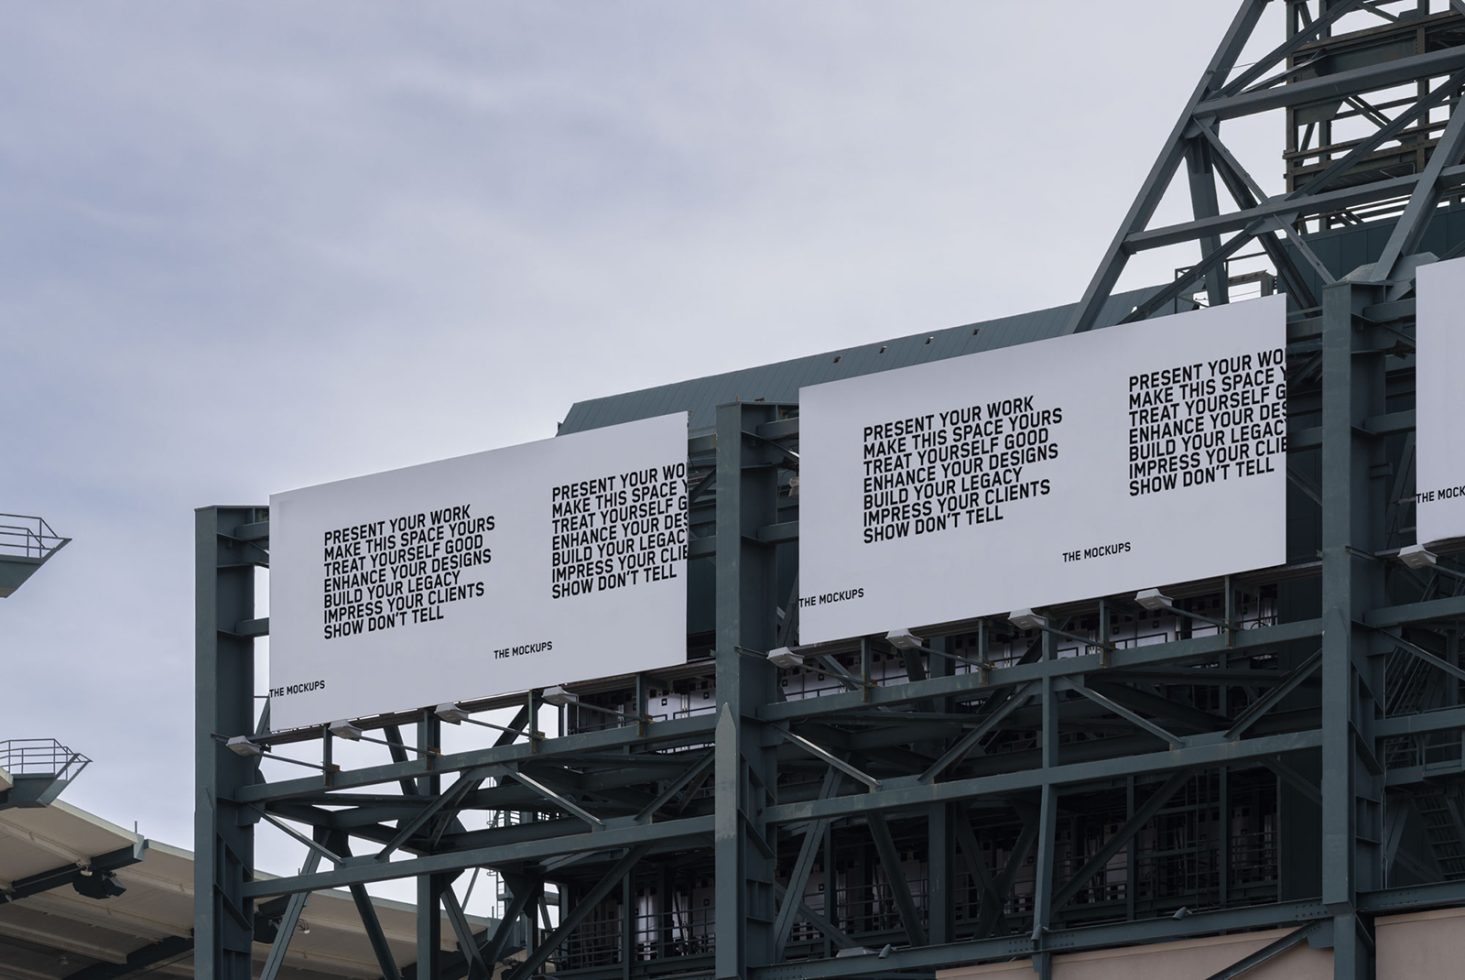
x,y
1121,837
745,772
1254,712
897,795
969,742
523,892
1271,951
368,870
572,917
478,968
971,855
223,833
66,874
1410,227
289,920
139,961
1353,504
1196,649
691,730
798,879
1335,86
1158,179
1009,948
900,889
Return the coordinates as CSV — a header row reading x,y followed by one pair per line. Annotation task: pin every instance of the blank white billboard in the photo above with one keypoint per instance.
x,y
1439,438
523,567
1054,471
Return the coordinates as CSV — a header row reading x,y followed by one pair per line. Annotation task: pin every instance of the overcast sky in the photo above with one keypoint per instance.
x,y
250,247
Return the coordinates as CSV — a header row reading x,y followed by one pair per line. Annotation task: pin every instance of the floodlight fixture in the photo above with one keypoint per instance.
x,y
451,713
904,639
346,730
907,642
243,745
849,951
266,927
1417,556
785,657
1154,600
98,886
1026,619
560,697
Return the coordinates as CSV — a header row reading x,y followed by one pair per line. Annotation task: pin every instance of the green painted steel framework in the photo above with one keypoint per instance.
x,y
1289,753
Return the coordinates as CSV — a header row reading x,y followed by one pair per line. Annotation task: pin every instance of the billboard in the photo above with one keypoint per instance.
x,y
1439,465
522,567
1059,470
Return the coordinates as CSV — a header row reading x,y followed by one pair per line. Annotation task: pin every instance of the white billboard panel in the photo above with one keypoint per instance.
x,y
1047,472
554,561
1439,438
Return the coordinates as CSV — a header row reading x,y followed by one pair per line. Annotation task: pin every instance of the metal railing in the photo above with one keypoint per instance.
x,y
22,536
41,757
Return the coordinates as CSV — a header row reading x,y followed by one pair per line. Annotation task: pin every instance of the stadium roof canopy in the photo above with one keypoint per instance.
x,y
49,929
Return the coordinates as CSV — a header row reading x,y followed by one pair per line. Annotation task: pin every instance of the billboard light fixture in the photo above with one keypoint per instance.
x,y
353,732
1154,600
786,657
346,730
850,951
243,745
1417,556
1026,619
560,697
907,642
455,715
904,639
451,713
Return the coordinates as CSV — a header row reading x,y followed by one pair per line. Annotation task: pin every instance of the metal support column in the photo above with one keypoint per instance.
x,y
430,887
1352,583
230,543
747,499
1047,825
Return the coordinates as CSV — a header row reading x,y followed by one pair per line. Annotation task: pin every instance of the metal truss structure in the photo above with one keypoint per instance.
x,y
1280,748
